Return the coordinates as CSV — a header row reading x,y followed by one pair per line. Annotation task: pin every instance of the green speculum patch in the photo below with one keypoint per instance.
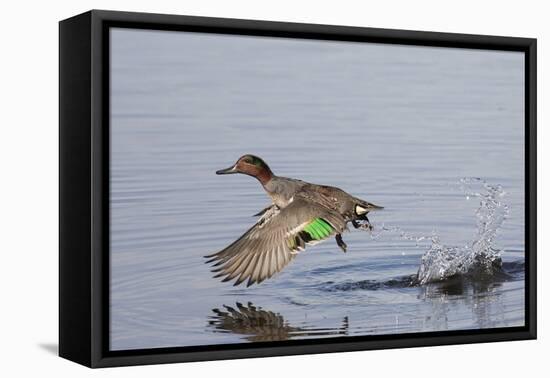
x,y
318,229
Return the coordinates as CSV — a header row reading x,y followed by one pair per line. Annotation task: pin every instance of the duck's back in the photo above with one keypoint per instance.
x,y
282,189
329,196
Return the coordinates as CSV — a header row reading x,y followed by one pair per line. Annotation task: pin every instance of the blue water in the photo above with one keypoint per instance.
x,y
398,126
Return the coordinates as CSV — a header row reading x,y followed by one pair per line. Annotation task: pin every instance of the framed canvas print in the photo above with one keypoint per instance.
x,y
234,188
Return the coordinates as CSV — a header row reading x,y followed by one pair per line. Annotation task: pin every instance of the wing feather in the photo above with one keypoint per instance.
x,y
268,246
255,275
250,267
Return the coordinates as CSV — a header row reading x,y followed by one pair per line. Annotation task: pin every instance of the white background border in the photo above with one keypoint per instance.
x,y
29,186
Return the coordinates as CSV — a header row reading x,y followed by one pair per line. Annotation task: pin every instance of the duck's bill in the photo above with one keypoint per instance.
x,y
227,171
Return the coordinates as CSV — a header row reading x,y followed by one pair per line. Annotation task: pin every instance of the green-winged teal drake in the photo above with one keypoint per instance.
x,y
300,214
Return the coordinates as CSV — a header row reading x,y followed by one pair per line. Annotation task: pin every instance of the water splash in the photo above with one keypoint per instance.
x,y
480,256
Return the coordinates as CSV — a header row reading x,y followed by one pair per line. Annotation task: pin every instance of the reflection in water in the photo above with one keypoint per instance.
x,y
477,283
264,325
461,285
482,293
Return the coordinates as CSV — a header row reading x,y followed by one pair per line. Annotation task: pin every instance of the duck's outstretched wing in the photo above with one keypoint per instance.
x,y
265,210
274,241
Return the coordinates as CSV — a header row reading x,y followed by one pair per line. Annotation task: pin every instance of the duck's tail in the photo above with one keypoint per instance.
x,y
364,207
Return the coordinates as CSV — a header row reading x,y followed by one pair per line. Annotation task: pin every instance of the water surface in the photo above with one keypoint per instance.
x,y
399,126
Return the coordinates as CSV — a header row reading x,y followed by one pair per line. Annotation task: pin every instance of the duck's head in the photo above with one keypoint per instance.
x,y
250,165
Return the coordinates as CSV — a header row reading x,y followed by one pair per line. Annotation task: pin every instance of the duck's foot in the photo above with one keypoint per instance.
x,y
341,243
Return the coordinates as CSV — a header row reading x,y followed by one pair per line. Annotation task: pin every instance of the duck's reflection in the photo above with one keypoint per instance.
x,y
461,286
483,295
258,324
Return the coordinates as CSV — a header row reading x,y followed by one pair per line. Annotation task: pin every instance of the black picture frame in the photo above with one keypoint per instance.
x,y
84,187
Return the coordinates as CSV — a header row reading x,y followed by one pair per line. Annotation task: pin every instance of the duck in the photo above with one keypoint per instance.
x,y
300,214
